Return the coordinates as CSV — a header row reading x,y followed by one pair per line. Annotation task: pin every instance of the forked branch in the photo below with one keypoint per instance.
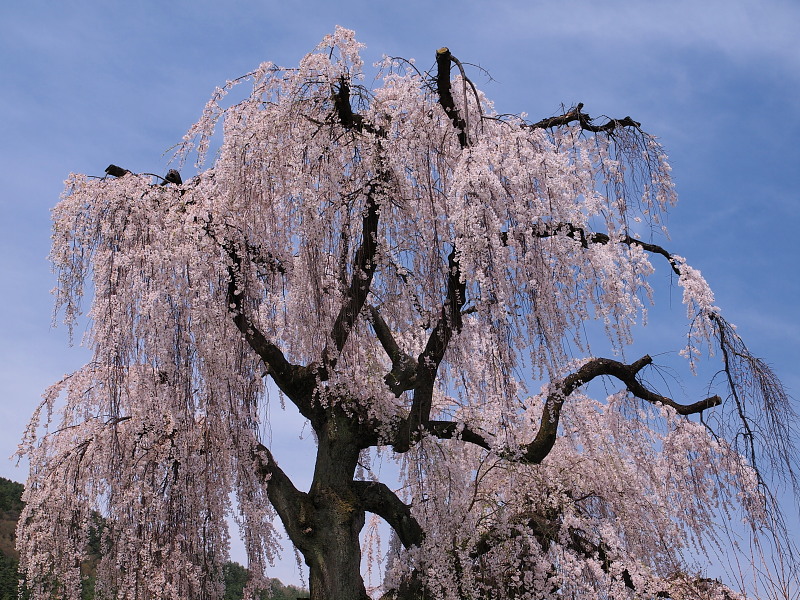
x,y
378,499
403,375
364,260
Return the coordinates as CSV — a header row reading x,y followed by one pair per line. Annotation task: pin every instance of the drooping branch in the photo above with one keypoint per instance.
x,y
584,120
545,230
172,176
378,499
750,380
535,451
341,103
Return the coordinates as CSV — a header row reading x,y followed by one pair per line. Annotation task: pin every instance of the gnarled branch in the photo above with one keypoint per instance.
x,y
584,120
536,451
541,445
291,504
545,230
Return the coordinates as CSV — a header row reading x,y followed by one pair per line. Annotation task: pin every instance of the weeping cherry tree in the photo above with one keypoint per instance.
x,y
416,273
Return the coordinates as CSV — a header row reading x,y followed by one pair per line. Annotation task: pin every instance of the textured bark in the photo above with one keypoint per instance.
x,y
330,542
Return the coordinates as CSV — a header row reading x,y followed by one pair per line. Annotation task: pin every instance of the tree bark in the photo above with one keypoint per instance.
x,y
330,533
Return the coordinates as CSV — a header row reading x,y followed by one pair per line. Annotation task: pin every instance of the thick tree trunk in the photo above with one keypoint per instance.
x,y
331,547
334,562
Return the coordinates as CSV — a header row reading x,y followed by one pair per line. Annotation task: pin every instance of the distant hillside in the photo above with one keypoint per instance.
x,y
10,508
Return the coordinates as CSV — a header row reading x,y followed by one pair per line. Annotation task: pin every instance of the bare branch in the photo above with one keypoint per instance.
x,y
541,445
751,381
584,120
116,171
290,503
403,375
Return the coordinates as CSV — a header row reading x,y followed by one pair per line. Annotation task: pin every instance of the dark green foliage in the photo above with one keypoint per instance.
x,y
236,579
9,576
10,506
10,495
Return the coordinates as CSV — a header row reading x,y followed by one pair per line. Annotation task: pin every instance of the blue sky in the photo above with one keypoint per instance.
x,y
90,83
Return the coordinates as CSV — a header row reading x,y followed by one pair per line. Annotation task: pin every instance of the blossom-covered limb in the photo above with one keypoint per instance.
x,y
546,528
295,381
674,587
449,322
363,271
450,317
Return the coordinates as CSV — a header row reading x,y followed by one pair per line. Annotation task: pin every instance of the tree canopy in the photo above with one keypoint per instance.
x,y
417,273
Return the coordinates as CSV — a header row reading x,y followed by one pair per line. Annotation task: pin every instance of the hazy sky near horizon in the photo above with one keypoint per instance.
x,y
90,83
